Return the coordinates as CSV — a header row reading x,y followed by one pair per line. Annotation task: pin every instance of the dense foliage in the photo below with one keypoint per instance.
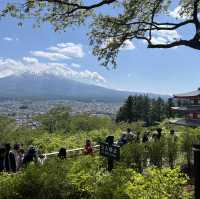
x,y
145,170
142,108
86,178
59,119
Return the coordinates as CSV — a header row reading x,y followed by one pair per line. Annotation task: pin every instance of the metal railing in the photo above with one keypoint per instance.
x,y
75,152
72,152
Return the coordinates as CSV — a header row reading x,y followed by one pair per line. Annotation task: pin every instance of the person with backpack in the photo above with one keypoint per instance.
x,y
30,156
10,162
62,154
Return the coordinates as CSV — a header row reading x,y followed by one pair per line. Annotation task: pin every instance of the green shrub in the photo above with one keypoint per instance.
x,y
133,154
86,178
44,182
154,184
172,150
157,151
88,123
157,184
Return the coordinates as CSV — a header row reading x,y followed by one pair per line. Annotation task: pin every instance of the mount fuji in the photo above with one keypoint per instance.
x,y
32,86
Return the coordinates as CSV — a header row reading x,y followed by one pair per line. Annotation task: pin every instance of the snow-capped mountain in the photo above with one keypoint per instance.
x,y
53,87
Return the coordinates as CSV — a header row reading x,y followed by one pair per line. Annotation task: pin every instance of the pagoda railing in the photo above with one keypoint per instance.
x,y
187,105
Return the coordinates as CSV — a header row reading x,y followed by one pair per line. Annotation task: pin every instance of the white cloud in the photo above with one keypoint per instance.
x,y
30,65
9,39
10,67
92,75
164,36
30,60
61,51
68,49
128,45
75,65
49,55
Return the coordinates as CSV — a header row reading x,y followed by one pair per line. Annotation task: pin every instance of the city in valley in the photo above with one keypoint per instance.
x,y
23,111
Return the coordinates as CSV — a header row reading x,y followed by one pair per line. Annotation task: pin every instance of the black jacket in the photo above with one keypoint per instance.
x,y
10,163
1,164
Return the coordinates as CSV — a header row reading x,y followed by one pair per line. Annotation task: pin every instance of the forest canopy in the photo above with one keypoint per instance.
x,y
113,23
142,108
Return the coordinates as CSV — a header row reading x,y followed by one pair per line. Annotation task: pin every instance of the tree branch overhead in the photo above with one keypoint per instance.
x,y
132,19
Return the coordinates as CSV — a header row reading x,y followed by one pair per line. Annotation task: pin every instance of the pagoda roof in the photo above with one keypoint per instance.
x,y
188,94
186,122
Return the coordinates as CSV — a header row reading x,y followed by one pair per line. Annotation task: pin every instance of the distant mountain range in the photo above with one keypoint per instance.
x,y
29,86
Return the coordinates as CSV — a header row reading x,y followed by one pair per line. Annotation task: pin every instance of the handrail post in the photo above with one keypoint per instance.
x,y
196,150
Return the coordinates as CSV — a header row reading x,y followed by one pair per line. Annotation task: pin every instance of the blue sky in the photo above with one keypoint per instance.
x,y
138,68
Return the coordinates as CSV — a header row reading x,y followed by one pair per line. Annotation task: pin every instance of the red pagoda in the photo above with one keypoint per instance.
x,y
188,105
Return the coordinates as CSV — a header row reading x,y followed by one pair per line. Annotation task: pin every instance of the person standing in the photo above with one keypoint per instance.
x,y
2,158
30,156
62,154
88,148
130,135
123,139
10,162
145,137
19,155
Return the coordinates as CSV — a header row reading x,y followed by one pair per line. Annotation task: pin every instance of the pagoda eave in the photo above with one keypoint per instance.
x,y
186,109
186,122
187,97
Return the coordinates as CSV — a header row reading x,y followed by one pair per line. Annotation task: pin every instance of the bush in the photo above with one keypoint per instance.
x,y
156,151
44,182
86,178
58,119
133,155
172,150
88,123
155,184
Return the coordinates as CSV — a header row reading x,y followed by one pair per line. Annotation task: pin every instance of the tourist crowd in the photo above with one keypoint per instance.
x,y
130,135
14,159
